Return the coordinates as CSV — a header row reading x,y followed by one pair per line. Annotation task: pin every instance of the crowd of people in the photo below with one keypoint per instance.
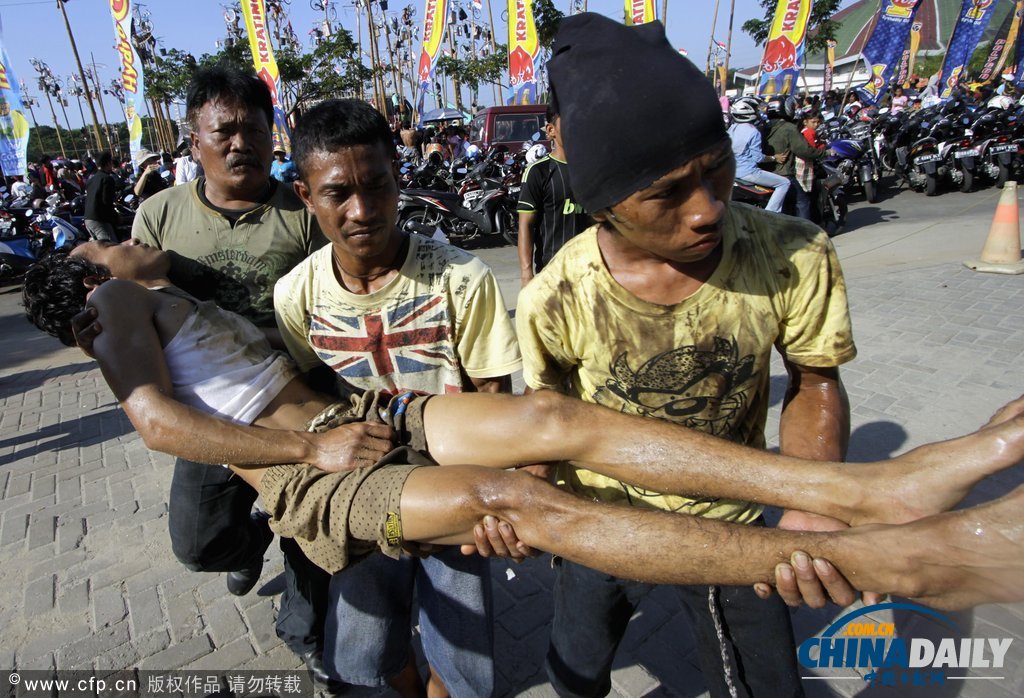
x,y
296,333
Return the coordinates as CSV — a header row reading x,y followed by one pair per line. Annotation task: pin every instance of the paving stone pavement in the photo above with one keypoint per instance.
x,y
87,579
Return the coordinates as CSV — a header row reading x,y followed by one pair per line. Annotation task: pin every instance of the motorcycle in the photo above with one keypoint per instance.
x,y
486,209
851,153
828,199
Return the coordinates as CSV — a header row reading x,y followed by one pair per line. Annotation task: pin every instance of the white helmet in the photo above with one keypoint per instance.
x,y
745,110
535,153
1001,102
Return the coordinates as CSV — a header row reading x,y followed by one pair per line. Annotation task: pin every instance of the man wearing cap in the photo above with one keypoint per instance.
x,y
669,308
149,182
283,169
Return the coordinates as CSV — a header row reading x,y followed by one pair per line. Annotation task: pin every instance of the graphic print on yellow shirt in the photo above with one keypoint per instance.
x,y
704,362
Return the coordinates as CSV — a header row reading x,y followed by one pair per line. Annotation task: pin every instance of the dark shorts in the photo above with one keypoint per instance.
x,y
338,518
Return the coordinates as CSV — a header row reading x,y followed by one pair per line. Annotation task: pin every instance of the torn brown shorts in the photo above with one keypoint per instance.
x,y
338,518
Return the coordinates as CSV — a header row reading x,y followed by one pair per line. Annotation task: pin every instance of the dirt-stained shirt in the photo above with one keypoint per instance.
x,y
442,317
703,362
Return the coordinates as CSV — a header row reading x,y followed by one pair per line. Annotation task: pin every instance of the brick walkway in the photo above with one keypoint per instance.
x,y
87,579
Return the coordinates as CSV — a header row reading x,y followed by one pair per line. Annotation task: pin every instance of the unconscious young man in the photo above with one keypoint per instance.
x,y
246,407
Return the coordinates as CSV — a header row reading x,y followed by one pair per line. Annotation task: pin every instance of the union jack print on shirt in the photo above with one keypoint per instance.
x,y
410,336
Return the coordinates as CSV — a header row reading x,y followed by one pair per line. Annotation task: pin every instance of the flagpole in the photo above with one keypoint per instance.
x,y
494,49
664,13
728,45
860,56
81,75
711,42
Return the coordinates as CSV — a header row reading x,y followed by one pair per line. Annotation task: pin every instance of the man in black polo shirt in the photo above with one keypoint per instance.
x,y
548,214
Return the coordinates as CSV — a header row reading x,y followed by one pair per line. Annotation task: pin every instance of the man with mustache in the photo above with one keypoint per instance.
x,y
669,308
233,233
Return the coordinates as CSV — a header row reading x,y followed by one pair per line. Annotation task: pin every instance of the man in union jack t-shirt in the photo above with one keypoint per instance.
x,y
386,310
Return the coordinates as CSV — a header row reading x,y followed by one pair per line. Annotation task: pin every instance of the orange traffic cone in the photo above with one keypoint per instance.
x,y
1001,253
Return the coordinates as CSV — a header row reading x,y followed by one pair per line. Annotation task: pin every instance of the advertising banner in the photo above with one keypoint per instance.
x,y
640,11
784,51
886,46
830,63
435,14
1002,47
523,48
974,17
255,14
915,45
131,75
13,124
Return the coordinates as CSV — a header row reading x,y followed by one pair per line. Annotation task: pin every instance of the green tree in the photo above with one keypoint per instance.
x,y
820,28
547,17
471,72
330,70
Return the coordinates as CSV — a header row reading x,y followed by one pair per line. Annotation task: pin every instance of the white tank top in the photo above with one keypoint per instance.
x,y
221,364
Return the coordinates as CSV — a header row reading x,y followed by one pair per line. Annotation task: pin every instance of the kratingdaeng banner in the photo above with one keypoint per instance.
x,y
13,124
884,50
640,11
784,52
974,17
131,74
523,48
255,14
435,14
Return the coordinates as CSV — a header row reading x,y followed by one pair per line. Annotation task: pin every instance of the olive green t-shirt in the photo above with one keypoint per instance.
x,y
232,262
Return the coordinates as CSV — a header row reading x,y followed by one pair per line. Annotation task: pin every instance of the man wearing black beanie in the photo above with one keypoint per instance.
x,y
669,308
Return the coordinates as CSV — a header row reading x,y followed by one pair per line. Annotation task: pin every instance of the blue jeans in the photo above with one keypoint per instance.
x,y
592,610
369,620
769,179
803,200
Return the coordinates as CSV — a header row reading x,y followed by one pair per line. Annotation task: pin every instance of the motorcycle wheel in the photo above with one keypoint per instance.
x,y
871,191
1004,174
930,185
510,227
968,183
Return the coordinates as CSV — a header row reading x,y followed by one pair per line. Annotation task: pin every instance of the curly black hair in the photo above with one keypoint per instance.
x,y
54,291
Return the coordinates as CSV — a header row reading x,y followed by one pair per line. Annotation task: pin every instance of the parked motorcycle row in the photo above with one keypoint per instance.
x,y
471,197
954,145
31,229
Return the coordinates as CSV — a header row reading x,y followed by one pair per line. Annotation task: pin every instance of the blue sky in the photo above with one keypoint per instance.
x,y
35,29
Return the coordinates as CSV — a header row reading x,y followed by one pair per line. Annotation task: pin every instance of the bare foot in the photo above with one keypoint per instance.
x,y
934,478
949,561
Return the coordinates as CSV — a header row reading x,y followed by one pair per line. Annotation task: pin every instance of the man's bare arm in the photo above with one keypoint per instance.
x,y
815,425
527,222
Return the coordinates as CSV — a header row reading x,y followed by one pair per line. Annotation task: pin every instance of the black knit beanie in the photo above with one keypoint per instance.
x,y
632,108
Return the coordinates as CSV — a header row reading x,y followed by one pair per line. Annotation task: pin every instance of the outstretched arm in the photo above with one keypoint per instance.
x,y
131,357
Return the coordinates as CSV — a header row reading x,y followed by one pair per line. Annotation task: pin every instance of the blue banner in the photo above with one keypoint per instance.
x,y
13,124
974,17
884,50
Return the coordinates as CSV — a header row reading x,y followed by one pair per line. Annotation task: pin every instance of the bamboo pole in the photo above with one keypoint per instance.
x,y
81,75
711,41
728,45
60,141
494,49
